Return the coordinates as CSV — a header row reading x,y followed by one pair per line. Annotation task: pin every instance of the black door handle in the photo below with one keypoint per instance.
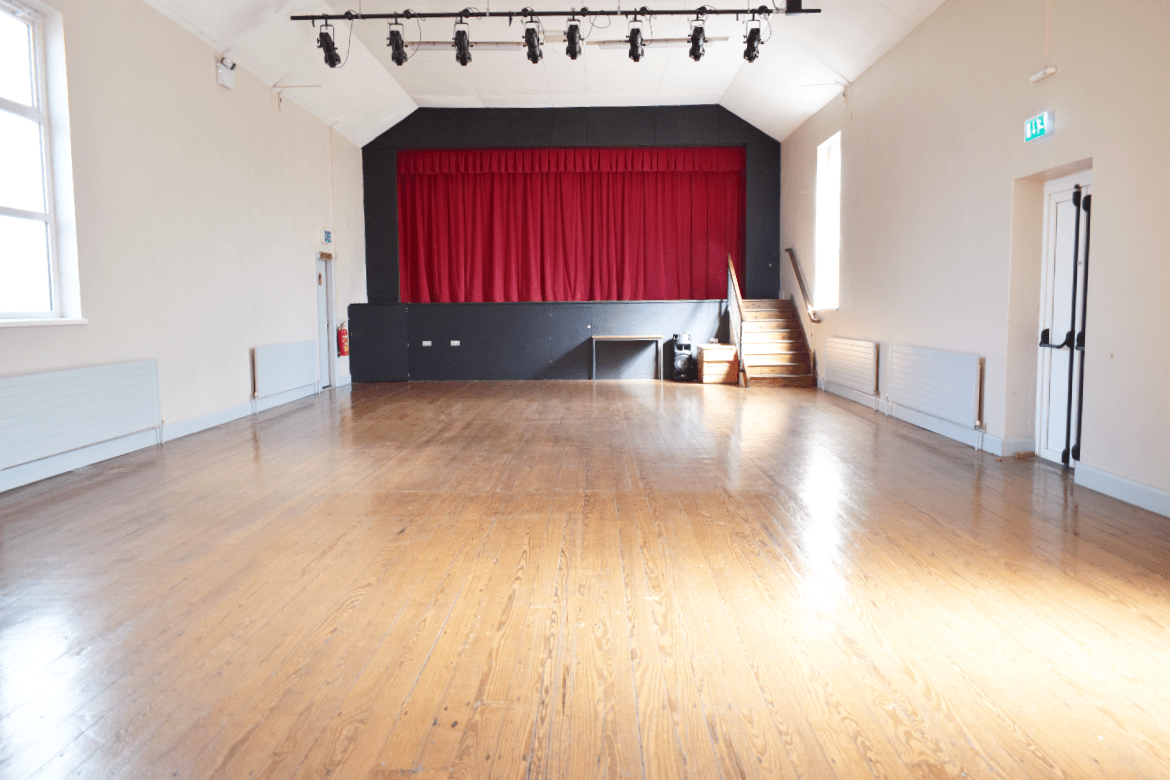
x,y
1045,340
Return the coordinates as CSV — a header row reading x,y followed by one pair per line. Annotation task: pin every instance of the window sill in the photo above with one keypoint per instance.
x,y
44,321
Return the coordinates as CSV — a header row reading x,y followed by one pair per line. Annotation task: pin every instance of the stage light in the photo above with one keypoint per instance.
x,y
532,41
752,51
325,44
698,38
462,44
573,37
636,47
397,45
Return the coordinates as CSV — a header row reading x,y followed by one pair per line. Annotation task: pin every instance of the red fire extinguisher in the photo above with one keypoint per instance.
x,y
342,340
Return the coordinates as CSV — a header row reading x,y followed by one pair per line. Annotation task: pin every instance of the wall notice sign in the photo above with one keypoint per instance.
x,y
1038,127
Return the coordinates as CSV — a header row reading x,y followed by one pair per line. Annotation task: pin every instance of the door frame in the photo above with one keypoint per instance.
x,y
1048,268
330,316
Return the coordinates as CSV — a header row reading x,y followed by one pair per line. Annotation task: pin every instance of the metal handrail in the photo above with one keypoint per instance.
x,y
812,315
735,315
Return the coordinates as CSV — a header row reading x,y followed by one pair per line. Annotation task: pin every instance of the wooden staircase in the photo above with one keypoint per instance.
x,y
775,351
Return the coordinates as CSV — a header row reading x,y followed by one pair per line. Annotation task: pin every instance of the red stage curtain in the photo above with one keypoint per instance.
x,y
569,224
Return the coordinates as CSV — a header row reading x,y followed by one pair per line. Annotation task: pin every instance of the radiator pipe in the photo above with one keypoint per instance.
x,y
1080,347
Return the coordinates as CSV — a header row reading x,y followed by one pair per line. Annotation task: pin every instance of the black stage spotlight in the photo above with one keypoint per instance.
x,y
573,37
752,51
325,43
532,41
397,44
698,38
462,44
636,48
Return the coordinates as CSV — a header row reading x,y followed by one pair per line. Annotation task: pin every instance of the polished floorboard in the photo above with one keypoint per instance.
x,y
578,580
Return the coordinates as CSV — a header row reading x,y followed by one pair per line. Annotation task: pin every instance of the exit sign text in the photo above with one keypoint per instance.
x,y
1038,127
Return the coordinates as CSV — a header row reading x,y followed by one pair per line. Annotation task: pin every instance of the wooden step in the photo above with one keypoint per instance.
x,y
785,347
775,352
788,369
804,380
752,315
770,337
772,334
789,359
769,303
759,326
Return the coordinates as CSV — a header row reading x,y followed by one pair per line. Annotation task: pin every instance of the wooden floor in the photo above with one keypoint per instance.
x,y
578,580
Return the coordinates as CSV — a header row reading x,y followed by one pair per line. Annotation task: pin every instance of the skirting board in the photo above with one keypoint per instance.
x,y
1007,447
27,473
173,431
977,439
197,424
853,395
264,404
1127,490
344,379
951,430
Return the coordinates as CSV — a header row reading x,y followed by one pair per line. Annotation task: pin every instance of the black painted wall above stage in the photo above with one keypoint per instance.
x,y
461,128
439,341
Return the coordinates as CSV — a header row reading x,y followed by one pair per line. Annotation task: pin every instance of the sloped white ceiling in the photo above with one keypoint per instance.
x,y
805,63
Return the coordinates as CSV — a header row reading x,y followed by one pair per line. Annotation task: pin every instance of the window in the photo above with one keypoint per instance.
x,y
37,266
827,283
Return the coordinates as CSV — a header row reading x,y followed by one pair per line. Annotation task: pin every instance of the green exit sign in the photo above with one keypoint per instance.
x,y
1038,127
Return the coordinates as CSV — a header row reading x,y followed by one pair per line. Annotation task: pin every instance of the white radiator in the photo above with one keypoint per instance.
x,y
936,390
851,368
42,415
280,368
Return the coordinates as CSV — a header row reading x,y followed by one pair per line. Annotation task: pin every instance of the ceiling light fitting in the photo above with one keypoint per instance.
x,y
462,43
573,38
325,44
397,44
533,37
635,40
534,29
751,51
698,38
532,42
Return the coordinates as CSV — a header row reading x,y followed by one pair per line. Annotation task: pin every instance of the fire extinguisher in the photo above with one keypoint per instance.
x,y
342,340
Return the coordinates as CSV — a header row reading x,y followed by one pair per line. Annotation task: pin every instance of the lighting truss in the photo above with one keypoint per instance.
x,y
791,7
533,36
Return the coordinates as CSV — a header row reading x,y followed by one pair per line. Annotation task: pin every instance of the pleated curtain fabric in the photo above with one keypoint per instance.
x,y
587,224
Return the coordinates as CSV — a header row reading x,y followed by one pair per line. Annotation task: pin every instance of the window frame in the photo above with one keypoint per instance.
x,y
827,150
50,111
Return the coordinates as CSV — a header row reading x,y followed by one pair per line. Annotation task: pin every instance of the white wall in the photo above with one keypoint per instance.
x,y
199,211
940,191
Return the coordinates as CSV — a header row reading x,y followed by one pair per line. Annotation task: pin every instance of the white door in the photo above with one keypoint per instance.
x,y
1062,295
324,342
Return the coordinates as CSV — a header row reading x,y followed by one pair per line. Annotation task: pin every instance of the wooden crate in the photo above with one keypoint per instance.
x,y
718,364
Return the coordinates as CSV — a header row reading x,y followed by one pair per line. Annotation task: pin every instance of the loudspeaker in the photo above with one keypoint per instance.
x,y
685,366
